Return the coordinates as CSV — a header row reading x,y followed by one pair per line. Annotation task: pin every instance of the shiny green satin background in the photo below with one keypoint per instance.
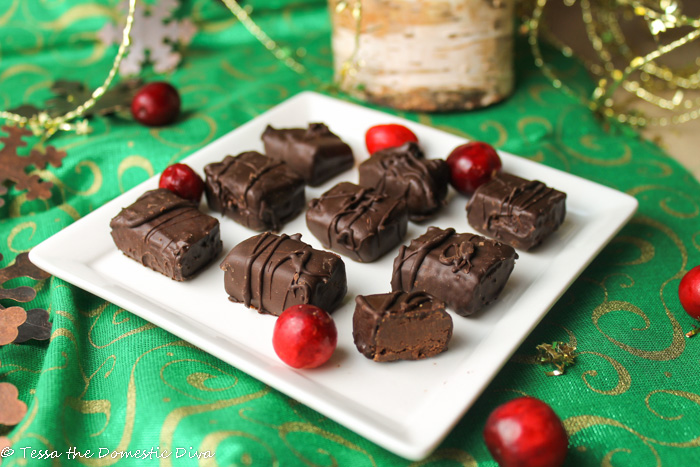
x,y
109,379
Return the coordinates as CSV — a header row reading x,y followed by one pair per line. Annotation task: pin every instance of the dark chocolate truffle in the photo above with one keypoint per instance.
x,y
466,271
357,222
167,233
255,191
519,212
315,153
271,272
404,172
400,326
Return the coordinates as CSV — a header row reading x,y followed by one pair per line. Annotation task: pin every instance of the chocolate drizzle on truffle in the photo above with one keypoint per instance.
x,y
255,191
167,234
403,172
273,272
519,212
466,271
357,222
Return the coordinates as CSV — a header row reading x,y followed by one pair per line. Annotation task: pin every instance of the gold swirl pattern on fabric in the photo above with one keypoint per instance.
x,y
692,397
144,327
677,344
624,380
458,456
173,419
198,379
129,414
212,441
645,247
130,162
16,231
664,202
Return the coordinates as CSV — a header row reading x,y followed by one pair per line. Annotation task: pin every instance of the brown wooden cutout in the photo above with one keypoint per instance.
x,y
13,167
12,410
10,320
22,267
36,326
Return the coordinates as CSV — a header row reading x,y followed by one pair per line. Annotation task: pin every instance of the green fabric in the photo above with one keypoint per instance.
x,y
109,379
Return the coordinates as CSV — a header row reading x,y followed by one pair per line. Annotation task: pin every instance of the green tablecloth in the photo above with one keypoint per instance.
x,y
109,379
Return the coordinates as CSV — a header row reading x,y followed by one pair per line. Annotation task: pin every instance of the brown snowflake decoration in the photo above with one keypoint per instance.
x,y
16,324
13,167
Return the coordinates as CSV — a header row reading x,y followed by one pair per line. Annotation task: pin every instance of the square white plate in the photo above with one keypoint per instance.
x,y
406,407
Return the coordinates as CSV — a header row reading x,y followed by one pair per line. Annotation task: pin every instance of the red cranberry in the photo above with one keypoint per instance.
x,y
304,336
183,181
388,136
525,432
156,104
689,292
472,165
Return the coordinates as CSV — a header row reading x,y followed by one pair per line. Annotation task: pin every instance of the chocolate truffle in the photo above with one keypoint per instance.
x,y
255,191
167,233
314,153
519,212
464,270
271,272
404,172
400,326
357,222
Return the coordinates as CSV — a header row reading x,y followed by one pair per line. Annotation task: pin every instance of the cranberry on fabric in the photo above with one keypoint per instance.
x,y
183,181
471,165
304,336
156,104
525,432
390,135
689,292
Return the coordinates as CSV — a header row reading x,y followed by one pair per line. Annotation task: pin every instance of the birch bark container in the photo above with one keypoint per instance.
x,y
424,55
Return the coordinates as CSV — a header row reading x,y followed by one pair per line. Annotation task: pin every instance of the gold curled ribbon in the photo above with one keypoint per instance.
x,y
608,41
41,124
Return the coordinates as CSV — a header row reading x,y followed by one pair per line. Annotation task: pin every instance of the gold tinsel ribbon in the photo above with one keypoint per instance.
x,y
41,124
604,31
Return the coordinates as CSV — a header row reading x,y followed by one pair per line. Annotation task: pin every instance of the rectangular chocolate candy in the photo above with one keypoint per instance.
x,y
464,270
255,191
404,172
357,222
314,153
400,326
519,212
167,233
271,272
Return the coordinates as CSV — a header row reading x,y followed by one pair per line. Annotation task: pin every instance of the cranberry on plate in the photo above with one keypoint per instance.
x,y
183,181
386,136
471,165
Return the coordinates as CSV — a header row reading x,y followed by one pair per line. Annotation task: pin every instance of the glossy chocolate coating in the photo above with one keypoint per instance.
x,y
519,212
314,153
255,191
400,326
271,272
466,271
357,222
404,172
167,233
